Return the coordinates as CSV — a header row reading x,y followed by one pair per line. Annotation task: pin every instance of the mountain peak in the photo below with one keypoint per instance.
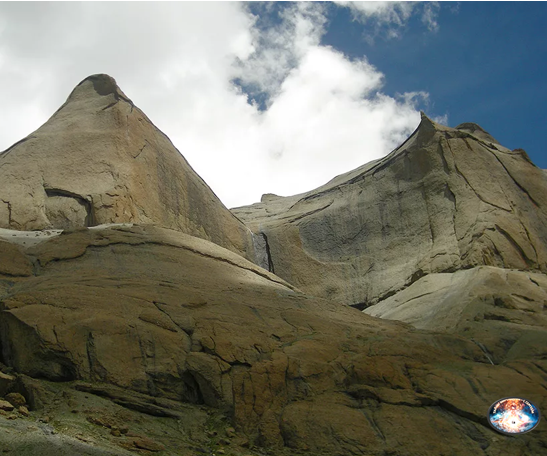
x,y
97,86
426,129
99,160
103,84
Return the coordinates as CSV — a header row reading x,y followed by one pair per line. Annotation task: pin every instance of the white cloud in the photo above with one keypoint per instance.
x,y
278,49
325,114
388,12
391,17
327,119
429,16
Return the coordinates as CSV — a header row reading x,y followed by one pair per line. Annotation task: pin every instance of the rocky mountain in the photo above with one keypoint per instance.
x,y
446,199
100,160
448,233
155,322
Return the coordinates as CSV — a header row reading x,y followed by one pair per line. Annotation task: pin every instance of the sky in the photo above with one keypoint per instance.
x,y
268,97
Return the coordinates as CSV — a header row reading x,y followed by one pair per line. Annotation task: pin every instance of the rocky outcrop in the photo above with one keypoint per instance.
x,y
100,160
168,318
447,199
136,323
447,233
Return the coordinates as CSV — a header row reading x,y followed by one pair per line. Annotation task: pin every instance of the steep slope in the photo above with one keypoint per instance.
x,y
501,310
99,160
445,200
447,233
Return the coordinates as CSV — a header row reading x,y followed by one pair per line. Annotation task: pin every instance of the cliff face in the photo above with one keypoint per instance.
x,y
154,319
445,200
100,160
165,339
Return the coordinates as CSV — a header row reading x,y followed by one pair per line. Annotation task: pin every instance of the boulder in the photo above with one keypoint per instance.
x,y
16,399
6,406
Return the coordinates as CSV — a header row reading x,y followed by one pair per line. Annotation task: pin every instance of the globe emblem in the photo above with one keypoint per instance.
x,y
513,415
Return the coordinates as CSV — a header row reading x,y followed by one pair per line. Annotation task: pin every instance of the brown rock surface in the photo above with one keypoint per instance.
x,y
16,399
6,406
293,371
12,261
99,160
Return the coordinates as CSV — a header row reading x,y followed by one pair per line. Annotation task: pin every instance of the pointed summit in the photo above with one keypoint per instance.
x,y
100,160
426,129
97,91
102,84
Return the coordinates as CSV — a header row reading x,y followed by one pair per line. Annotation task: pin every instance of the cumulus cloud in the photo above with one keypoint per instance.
x,y
328,119
279,47
197,70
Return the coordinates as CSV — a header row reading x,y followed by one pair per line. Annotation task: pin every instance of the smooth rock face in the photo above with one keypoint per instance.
x,y
100,160
447,233
503,311
171,317
447,199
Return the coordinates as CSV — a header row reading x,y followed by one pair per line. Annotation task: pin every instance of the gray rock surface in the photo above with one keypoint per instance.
x,y
501,310
100,160
446,199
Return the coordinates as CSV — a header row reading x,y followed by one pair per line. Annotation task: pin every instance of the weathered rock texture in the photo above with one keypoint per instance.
x,y
447,199
176,318
500,306
447,233
136,337
99,160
